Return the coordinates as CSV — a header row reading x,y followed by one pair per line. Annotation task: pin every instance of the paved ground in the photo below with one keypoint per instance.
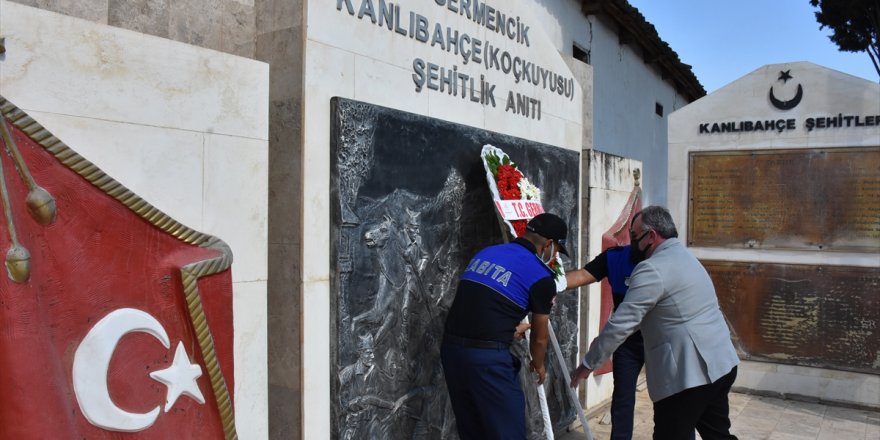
x,y
759,418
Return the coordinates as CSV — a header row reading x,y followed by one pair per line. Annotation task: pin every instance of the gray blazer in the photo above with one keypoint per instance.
x,y
672,300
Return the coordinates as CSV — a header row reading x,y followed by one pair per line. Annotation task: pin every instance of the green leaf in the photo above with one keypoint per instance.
x,y
492,162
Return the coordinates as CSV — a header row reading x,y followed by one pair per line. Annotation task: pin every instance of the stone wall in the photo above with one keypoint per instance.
x,y
608,182
225,25
279,42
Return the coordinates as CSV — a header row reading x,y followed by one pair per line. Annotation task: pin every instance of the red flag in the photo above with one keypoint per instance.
x,y
119,325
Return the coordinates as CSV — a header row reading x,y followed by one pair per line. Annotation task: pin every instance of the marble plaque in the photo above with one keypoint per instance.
x,y
810,199
822,316
410,207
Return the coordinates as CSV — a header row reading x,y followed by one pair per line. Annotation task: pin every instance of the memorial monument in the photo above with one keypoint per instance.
x,y
395,199
776,185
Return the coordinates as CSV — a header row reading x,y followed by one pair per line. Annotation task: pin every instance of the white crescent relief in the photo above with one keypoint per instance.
x,y
92,361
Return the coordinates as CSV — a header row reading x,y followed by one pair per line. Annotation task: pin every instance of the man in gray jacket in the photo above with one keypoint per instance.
x,y
689,358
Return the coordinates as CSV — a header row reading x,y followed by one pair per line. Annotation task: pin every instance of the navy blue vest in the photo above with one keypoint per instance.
x,y
620,267
509,269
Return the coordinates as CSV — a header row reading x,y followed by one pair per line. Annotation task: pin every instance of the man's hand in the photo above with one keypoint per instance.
x,y
539,368
520,332
579,375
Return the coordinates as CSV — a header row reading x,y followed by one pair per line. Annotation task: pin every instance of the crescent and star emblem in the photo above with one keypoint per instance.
x,y
92,360
784,76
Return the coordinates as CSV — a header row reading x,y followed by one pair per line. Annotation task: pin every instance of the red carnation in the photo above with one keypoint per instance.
x,y
508,182
519,226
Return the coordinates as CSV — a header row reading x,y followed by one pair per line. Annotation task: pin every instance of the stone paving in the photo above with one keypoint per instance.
x,y
761,418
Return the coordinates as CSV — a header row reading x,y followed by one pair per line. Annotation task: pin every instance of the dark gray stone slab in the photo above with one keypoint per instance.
x,y
410,207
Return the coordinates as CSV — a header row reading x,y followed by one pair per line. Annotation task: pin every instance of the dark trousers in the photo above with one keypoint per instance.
x,y
704,407
485,393
627,362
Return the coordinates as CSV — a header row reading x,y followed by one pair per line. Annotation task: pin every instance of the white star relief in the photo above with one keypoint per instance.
x,y
180,378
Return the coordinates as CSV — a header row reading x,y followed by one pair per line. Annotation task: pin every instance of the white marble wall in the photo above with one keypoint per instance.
x,y
826,92
354,58
185,128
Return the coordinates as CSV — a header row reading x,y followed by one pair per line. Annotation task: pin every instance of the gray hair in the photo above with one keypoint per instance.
x,y
659,219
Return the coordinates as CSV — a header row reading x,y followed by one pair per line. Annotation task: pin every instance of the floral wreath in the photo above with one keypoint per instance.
x,y
507,182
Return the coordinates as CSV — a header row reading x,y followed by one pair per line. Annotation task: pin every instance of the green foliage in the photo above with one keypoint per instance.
x,y
855,25
493,161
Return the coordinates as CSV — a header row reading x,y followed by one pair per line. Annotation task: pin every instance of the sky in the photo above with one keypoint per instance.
x,y
725,40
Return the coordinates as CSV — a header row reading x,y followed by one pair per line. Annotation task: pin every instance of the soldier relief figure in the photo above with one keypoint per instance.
x,y
395,387
364,408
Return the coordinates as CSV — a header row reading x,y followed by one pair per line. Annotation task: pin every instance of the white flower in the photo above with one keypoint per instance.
x,y
528,190
559,277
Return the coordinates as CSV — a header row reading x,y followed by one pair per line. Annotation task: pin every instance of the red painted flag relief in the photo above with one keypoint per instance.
x,y
115,320
616,235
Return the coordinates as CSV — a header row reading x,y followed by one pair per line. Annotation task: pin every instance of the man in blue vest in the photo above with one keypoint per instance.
x,y
500,285
690,360
615,264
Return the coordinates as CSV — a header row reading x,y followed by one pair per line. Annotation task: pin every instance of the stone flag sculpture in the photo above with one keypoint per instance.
x,y
617,235
115,320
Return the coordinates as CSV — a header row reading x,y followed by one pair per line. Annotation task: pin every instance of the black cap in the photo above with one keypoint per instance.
x,y
550,226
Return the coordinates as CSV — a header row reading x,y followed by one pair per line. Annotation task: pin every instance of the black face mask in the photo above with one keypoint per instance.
x,y
637,255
